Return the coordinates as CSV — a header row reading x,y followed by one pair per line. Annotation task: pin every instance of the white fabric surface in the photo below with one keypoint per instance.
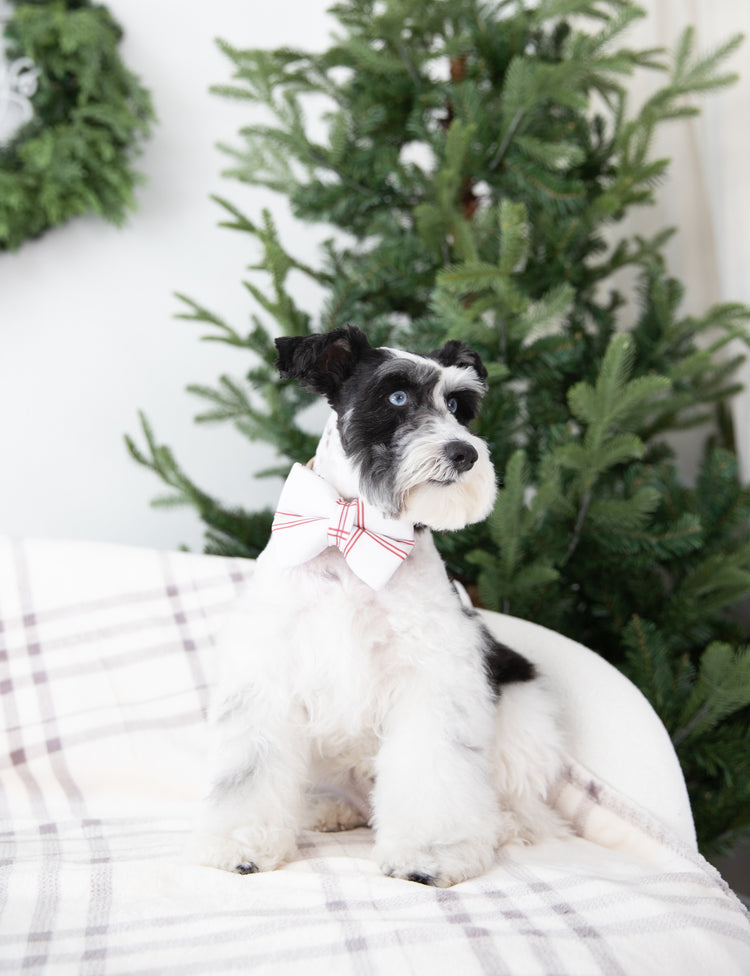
x,y
104,656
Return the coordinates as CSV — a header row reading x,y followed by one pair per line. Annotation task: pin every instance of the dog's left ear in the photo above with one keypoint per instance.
x,y
322,363
455,353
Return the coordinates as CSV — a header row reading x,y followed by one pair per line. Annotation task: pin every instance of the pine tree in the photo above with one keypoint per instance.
x,y
479,158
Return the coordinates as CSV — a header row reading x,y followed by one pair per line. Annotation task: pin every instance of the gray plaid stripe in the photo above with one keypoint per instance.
x,y
508,900
132,600
353,939
124,659
564,909
99,901
54,744
486,951
57,646
37,950
188,643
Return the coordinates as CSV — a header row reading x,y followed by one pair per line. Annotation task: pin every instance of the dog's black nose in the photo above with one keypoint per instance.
x,y
461,455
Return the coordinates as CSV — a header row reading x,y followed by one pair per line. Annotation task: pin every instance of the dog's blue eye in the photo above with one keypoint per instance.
x,y
452,404
398,399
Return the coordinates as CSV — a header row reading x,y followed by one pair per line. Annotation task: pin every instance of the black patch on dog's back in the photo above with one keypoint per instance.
x,y
504,666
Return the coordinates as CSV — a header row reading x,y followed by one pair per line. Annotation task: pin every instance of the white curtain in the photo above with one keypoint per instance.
x,y
707,194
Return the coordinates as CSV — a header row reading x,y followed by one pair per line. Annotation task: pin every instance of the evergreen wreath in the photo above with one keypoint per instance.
x,y
91,115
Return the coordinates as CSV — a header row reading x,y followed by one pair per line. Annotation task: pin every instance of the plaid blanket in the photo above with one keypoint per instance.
x,y
105,653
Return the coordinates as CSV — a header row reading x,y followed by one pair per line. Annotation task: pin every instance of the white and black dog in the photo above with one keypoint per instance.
x,y
363,690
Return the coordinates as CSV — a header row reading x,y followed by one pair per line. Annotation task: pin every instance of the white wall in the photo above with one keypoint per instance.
x,y
87,328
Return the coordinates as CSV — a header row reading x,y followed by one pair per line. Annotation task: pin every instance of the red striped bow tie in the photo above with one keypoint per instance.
x,y
310,517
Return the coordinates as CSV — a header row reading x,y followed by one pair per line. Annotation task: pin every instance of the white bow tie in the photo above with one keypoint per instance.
x,y
310,517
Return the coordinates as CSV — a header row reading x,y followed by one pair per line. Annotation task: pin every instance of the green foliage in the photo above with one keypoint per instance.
x,y
91,116
234,532
478,159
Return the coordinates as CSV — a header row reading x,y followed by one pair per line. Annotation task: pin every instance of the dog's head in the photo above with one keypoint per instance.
x,y
402,422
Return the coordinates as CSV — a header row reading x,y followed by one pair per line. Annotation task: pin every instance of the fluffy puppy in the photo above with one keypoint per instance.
x,y
357,686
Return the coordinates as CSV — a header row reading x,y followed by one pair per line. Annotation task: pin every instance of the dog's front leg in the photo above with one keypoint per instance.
x,y
435,813
250,819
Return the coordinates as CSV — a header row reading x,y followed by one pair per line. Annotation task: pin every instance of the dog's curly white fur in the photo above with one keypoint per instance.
x,y
341,705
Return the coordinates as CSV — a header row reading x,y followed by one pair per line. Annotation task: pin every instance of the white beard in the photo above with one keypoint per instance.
x,y
432,494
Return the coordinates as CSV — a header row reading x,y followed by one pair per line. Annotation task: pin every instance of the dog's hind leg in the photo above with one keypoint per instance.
x,y
527,761
329,812
340,798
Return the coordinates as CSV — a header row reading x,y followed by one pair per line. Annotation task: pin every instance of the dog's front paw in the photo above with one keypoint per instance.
x,y
235,852
440,865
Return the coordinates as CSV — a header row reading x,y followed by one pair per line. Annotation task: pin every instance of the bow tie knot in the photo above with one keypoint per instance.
x,y
311,517
347,520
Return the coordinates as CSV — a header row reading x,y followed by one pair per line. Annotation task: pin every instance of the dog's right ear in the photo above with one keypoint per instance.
x,y
322,363
456,353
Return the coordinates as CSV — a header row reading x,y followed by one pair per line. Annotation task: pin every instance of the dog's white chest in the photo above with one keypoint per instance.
x,y
325,638
346,655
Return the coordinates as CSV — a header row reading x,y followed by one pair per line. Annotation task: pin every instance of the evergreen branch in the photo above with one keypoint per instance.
x,y
162,462
578,527
640,637
722,688
240,222
700,717
506,141
409,65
